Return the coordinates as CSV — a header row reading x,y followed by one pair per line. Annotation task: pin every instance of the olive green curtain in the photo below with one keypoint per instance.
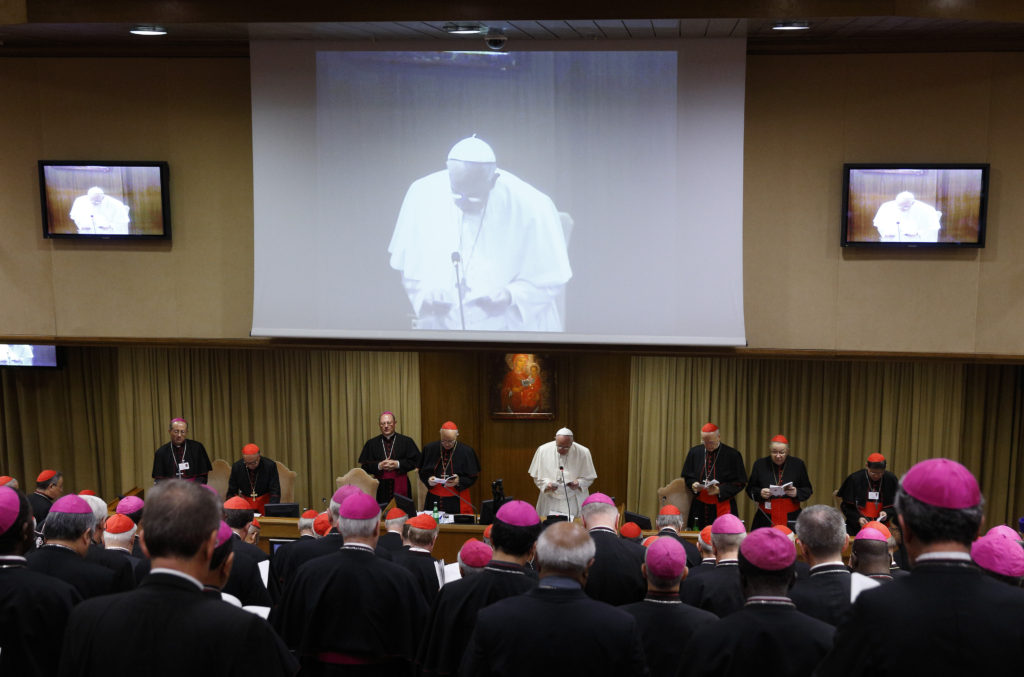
x,y
834,414
100,418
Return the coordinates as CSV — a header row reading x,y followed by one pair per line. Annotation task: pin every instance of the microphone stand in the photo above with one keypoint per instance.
x,y
568,508
456,260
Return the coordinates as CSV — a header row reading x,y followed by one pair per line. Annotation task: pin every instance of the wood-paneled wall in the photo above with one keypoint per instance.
x,y
593,400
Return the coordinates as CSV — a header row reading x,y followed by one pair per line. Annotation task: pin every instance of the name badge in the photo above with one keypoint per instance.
x,y
183,466
872,495
767,505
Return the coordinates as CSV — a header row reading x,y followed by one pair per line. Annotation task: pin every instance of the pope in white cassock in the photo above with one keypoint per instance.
x,y
906,219
577,470
96,213
480,233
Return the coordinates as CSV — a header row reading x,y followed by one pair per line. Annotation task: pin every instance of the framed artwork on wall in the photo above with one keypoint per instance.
x,y
522,386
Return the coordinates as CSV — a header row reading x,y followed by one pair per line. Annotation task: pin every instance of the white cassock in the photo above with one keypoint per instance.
x,y
516,243
920,223
109,217
577,466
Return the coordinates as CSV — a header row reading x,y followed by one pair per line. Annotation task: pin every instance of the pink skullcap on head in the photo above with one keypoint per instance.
x,y
518,514
598,498
651,539
884,530
250,449
422,521
46,476
449,425
475,553
309,514
9,506
727,524
359,506
130,504
179,420
344,492
86,492
708,428
942,483
1003,531
387,413
630,530
71,504
781,439
669,510
223,533
118,524
665,558
322,524
999,555
872,534
211,490
237,503
768,549
786,531
705,535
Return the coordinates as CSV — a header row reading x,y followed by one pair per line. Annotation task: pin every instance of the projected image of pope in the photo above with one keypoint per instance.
x,y
96,213
907,219
479,248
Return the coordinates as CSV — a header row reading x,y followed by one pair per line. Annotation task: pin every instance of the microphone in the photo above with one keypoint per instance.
x,y
568,509
456,260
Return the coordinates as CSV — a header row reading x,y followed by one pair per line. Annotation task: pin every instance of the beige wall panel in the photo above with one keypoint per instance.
x,y
1001,279
26,304
791,204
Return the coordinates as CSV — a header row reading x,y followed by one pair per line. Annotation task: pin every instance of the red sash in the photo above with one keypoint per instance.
x,y
781,507
721,507
401,481
447,492
870,509
258,504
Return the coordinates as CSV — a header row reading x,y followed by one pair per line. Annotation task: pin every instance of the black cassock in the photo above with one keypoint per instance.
x,y
665,626
280,565
771,638
438,462
615,575
423,567
169,627
264,481
453,615
824,593
947,619
91,580
765,473
854,495
166,461
717,591
724,464
352,604
403,450
34,610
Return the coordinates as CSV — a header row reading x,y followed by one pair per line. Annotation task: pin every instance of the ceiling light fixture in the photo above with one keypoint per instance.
x,y
465,29
791,26
148,30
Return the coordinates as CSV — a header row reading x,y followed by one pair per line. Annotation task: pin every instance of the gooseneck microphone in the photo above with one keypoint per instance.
x,y
568,508
456,260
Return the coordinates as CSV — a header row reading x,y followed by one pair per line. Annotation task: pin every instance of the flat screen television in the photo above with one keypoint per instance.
x,y
105,200
908,205
25,355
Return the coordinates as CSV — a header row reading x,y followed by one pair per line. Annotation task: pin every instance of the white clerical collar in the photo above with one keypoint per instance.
x,y
943,555
179,574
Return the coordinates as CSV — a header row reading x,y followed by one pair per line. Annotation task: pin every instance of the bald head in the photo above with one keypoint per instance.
x,y
565,549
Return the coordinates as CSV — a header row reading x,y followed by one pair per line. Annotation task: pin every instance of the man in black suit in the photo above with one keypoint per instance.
x,y
168,626
390,457
947,616
280,561
526,633
825,592
665,622
615,577
768,635
68,532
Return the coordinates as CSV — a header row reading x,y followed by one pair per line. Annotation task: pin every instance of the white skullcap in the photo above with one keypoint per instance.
x,y
563,431
471,149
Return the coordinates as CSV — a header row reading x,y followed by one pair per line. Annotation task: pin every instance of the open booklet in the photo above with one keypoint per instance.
x,y
779,489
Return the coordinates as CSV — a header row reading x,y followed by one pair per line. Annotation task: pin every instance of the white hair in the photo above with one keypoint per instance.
x,y
111,540
98,507
351,528
552,556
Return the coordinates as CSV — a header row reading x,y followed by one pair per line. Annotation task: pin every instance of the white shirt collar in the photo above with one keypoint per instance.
x,y
179,574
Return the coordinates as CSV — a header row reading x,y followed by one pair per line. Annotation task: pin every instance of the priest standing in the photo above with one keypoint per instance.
x,y
715,474
255,478
390,457
562,470
181,458
449,468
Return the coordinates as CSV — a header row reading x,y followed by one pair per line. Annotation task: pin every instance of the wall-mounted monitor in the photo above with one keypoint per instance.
x,y
105,200
26,355
914,205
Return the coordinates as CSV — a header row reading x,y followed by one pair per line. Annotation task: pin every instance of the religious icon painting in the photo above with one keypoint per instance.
x,y
522,386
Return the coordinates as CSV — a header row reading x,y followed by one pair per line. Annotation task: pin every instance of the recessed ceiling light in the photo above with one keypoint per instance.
x,y
791,26
148,30
464,29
